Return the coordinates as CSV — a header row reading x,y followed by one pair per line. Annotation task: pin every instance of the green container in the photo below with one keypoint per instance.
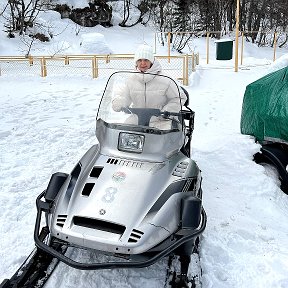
x,y
224,49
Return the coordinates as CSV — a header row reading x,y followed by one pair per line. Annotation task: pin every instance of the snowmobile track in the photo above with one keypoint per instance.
x,y
35,270
174,278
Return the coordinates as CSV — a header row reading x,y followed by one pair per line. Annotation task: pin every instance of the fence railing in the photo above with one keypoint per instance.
x,y
179,67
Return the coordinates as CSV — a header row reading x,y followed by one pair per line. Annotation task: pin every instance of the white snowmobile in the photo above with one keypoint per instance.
x,y
136,194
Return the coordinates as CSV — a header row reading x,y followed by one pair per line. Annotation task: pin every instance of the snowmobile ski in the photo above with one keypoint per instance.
x,y
184,271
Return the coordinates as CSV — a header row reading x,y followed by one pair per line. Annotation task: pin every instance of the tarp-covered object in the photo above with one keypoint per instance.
x,y
265,108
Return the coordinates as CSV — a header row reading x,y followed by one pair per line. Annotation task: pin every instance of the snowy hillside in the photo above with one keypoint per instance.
x,y
48,124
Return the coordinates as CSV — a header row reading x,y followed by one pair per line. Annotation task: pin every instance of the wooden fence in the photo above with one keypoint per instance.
x,y
179,67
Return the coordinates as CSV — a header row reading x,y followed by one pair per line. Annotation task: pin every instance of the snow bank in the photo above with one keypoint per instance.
x,y
94,43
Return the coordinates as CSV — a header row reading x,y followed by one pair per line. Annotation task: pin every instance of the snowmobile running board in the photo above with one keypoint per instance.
x,y
185,236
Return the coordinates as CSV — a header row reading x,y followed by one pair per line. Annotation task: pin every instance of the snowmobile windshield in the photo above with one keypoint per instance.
x,y
137,101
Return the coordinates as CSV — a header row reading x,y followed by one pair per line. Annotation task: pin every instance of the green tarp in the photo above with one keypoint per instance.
x,y
265,108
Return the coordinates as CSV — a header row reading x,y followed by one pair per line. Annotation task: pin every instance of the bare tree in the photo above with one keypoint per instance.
x,y
258,18
162,16
181,24
23,13
28,43
130,7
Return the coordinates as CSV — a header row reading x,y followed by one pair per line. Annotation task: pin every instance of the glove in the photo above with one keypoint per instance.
x,y
117,105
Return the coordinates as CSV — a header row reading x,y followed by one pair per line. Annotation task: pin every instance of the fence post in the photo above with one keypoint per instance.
x,y
185,72
193,62
66,62
43,67
94,67
169,44
197,58
30,60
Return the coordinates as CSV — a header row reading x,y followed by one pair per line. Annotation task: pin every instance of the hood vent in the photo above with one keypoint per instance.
x,y
112,161
127,163
190,185
96,171
99,225
135,236
87,189
180,169
61,220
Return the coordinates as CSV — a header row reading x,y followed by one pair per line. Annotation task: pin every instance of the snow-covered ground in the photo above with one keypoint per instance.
x,y
47,124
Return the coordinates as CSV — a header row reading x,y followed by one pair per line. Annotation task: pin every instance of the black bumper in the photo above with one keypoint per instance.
x,y
45,207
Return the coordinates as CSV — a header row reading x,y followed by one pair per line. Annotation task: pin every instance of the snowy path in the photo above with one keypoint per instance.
x,y
47,125
245,242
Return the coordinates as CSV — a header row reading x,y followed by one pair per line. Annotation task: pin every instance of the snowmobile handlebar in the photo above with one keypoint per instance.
x,y
144,114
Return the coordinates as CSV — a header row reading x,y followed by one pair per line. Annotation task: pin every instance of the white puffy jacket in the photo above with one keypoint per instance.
x,y
151,91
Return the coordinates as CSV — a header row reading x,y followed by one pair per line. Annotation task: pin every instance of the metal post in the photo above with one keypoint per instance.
x,y
242,48
207,48
237,36
155,42
275,42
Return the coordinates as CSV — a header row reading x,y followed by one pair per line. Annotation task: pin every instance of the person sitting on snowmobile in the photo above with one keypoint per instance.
x,y
148,90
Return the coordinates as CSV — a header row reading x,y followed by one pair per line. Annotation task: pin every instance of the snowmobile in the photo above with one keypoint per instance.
x,y
135,195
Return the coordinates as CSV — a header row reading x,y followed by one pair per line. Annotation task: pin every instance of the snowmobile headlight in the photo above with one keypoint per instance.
x,y
131,142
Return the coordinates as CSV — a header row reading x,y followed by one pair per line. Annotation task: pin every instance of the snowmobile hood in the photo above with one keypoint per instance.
x,y
107,198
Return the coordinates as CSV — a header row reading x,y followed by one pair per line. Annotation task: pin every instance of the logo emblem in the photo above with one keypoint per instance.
x,y
119,176
102,212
